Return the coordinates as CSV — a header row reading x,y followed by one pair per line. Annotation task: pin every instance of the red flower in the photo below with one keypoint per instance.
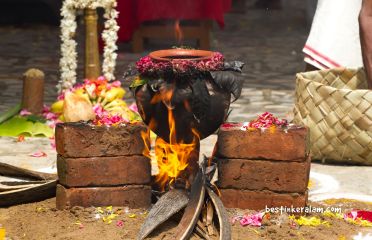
x,y
147,65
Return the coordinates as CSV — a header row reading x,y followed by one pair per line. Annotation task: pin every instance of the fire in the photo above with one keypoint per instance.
x,y
178,32
173,157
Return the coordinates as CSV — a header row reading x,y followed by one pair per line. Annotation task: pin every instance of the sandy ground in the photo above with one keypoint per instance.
x,y
41,220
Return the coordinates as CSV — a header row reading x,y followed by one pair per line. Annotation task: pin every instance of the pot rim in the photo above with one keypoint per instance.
x,y
163,55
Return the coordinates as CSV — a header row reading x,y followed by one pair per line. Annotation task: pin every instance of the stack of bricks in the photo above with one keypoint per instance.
x,y
259,169
101,166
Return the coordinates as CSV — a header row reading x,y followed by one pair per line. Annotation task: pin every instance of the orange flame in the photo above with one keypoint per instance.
x,y
178,32
173,158
147,140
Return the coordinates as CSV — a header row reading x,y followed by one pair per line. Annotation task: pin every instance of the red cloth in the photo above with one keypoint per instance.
x,y
133,12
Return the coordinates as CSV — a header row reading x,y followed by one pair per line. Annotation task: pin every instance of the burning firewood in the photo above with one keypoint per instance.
x,y
169,204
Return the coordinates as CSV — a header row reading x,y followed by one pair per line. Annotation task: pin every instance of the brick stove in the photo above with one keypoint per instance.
x,y
100,166
263,168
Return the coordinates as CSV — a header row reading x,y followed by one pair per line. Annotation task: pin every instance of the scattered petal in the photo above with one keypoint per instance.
x,y
312,221
119,223
108,219
40,209
133,107
252,219
332,214
53,142
24,112
79,224
38,154
21,138
99,210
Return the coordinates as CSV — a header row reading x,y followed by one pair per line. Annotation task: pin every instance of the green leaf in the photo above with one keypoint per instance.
x,y
21,126
35,118
138,81
10,113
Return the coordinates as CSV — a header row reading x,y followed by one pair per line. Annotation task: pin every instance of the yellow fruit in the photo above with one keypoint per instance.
x,y
80,92
57,107
119,110
115,103
62,118
113,93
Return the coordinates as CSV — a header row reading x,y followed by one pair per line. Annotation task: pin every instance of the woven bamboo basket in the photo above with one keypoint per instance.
x,y
337,108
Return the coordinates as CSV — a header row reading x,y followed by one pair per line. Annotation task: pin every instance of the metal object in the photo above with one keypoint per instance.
x,y
92,66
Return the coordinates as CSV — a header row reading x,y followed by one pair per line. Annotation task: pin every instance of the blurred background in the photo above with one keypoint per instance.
x,y
268,35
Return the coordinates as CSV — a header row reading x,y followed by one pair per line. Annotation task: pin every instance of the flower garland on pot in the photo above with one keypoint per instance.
x,y
222,72
68,62
150,67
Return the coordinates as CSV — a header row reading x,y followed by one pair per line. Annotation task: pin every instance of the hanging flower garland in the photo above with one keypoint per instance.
x,y
68,62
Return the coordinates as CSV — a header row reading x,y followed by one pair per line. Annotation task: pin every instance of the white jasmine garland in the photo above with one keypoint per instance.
x,y
68,61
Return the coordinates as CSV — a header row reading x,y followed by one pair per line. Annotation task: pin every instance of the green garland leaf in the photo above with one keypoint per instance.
x,y
138,81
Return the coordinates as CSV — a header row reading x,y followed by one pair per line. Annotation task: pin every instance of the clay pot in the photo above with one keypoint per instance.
x,y
181,54
184,99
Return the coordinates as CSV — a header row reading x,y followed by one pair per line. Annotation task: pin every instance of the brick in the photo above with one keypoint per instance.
x,y
280,176
85,140
279,145
104,171
258,200
133,196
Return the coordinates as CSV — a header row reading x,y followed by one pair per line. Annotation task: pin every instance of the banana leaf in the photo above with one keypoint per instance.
x,y
10,113
21,126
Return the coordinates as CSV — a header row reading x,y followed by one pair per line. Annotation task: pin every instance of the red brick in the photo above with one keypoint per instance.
x,y
104,171
85,140
258,200
279,145
133,196
280,176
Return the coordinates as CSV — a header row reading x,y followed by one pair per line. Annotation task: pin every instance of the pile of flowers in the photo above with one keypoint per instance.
x,y
97,100
265,121
149,66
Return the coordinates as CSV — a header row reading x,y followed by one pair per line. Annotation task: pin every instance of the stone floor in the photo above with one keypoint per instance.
x,y
268,41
